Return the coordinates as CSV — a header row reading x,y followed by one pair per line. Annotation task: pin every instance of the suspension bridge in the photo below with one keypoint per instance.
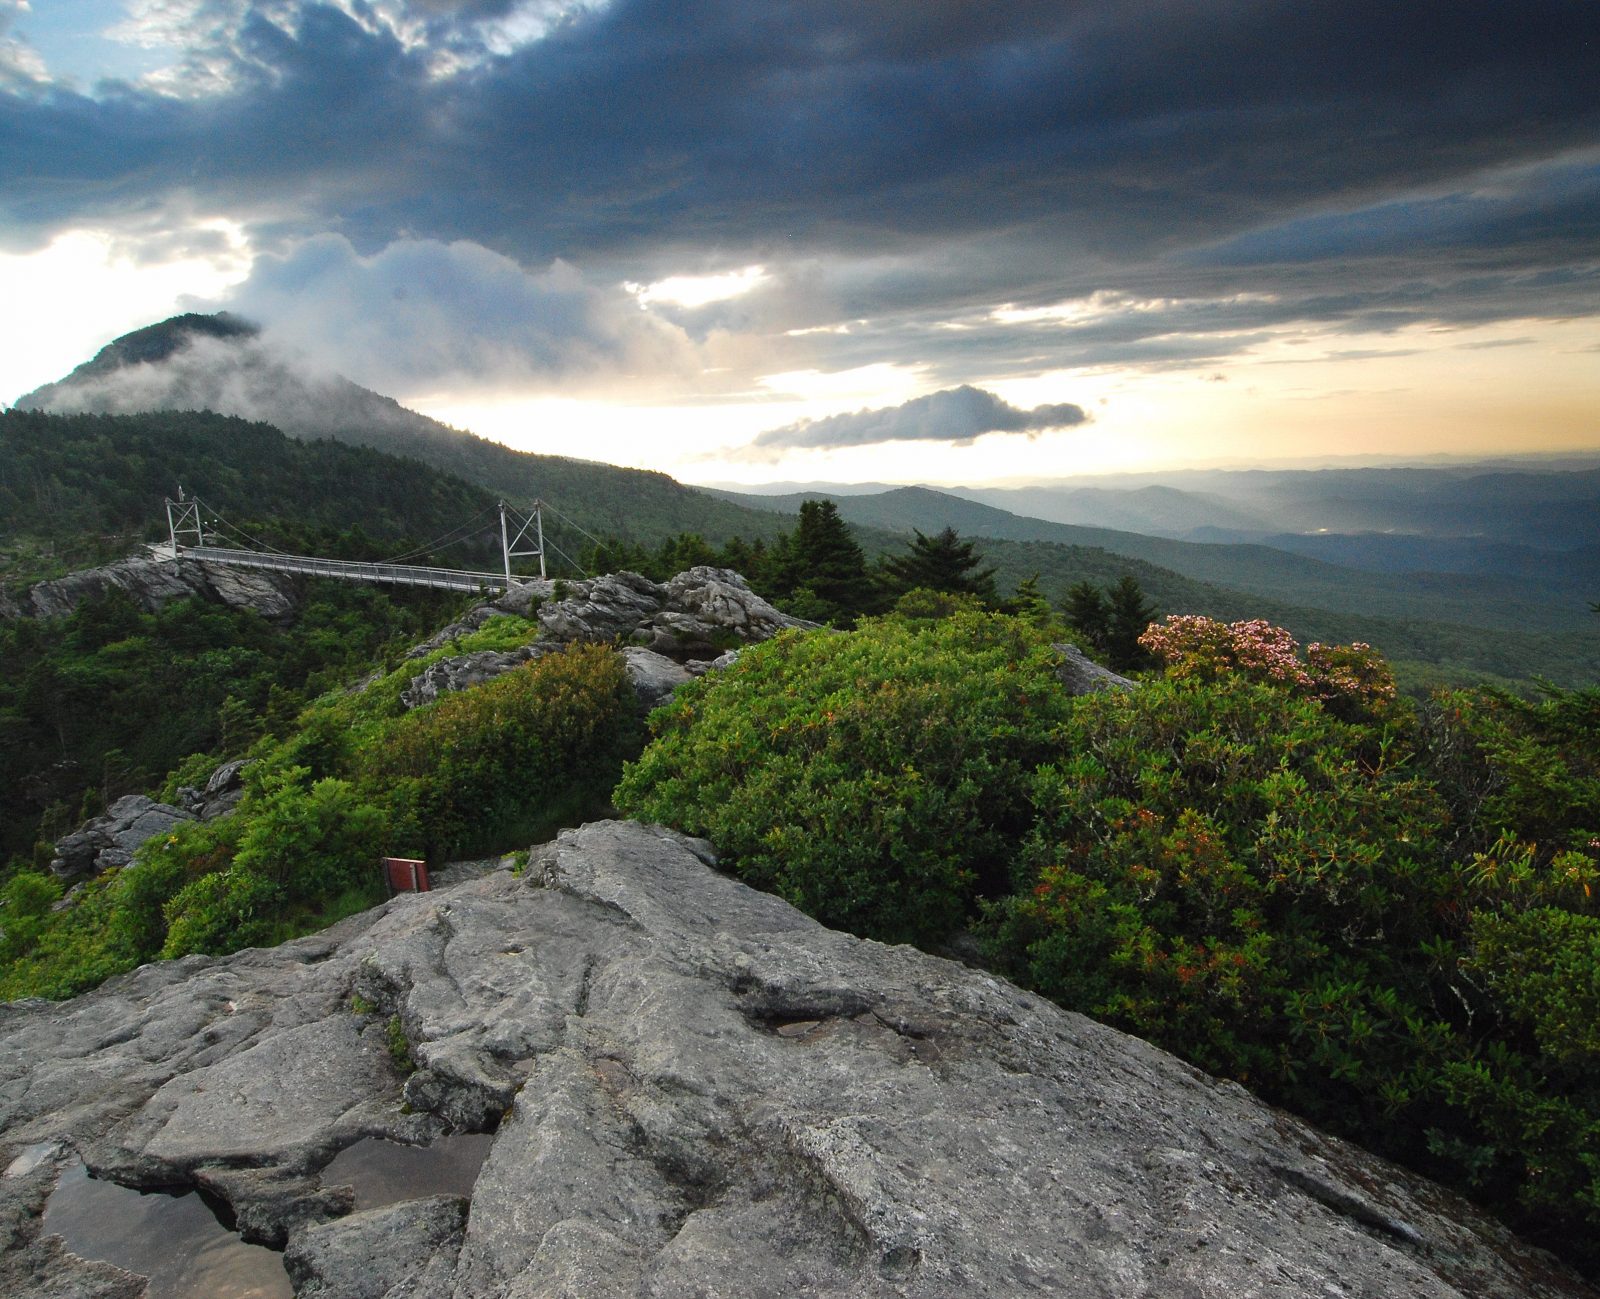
x,y
193,535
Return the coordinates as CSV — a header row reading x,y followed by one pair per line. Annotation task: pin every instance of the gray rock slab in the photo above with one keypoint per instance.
x,y
111,838
151,583
654,676
696,1090
1083,676
380,1254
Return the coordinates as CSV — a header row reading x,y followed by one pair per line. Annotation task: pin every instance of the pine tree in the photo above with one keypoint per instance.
x,y
1129,613
1090,616
941,563
1028,601
826,562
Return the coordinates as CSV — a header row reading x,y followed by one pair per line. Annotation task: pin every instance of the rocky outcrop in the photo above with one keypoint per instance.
x,y
220,794
669,631
465,671
693,615
110,839
151,583
1081,675
696,1090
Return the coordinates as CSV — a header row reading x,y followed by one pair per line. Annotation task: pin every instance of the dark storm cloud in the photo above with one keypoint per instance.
x,y
904,162
957,415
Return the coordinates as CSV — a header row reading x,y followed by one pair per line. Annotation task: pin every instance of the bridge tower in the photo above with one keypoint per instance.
x,y
509,543
183,519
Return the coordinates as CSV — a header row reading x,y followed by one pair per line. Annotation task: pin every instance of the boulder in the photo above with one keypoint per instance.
x,y
706,607
151,583
604,609
464,672
110,839
220,794
525,596
1083,676
696,1090
692,615
654,676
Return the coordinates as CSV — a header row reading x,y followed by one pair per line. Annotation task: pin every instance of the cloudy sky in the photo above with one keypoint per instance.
x,y
840,239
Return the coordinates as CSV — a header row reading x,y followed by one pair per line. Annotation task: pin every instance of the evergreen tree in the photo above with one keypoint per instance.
x,y
941,563
1090,616
1128,614
1028,601
826,561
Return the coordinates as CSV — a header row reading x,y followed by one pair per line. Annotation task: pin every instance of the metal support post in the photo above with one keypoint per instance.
x,y
508,543
505,545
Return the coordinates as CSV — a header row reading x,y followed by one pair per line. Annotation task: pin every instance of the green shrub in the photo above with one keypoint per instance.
x,y
505,759
1228,869
221,913
139,894
1352,919
877,779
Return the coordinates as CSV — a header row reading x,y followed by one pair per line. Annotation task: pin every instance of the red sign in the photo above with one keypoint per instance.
x,y
405,874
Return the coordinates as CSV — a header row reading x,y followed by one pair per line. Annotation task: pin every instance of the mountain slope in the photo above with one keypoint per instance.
x,y
1554,599
1555,508
221,364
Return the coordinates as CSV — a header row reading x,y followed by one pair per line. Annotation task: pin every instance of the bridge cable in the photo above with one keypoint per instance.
x,y
567,557
444,539
239,532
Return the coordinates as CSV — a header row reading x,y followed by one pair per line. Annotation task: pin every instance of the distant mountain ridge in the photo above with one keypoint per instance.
x,y
1554,599
1555,509
1448,629
224,364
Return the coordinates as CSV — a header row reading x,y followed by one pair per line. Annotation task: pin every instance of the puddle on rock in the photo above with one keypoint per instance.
x,y
385,1172
175,1240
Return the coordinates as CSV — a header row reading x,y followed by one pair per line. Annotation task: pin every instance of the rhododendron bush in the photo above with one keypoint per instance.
x,y
1353,680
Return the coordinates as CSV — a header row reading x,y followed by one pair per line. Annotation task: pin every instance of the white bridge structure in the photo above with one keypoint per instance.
x,y
188,538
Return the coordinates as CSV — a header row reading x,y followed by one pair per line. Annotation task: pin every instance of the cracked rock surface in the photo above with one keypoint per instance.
x,y
696,1090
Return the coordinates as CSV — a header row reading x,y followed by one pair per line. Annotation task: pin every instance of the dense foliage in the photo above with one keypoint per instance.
x,y
356,775
75,489
107,701
1264,859
879,780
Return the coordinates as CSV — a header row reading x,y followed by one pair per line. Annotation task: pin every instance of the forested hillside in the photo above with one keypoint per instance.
x,y
79,489
220,364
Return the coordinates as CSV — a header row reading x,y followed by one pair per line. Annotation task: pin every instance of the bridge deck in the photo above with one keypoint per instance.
x,y
444,579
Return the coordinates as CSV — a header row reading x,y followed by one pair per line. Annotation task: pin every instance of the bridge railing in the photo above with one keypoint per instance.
x,y
447,579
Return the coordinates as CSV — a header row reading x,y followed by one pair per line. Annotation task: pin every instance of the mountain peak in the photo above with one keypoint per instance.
x,y
157,342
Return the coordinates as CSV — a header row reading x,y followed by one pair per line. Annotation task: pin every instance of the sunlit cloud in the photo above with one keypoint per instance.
x,y
958,416
699,290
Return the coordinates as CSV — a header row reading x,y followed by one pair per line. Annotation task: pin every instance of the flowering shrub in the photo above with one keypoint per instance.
x,y
1351,680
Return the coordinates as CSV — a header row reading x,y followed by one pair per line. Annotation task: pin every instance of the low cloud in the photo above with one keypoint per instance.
x,y
423,315
957,415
